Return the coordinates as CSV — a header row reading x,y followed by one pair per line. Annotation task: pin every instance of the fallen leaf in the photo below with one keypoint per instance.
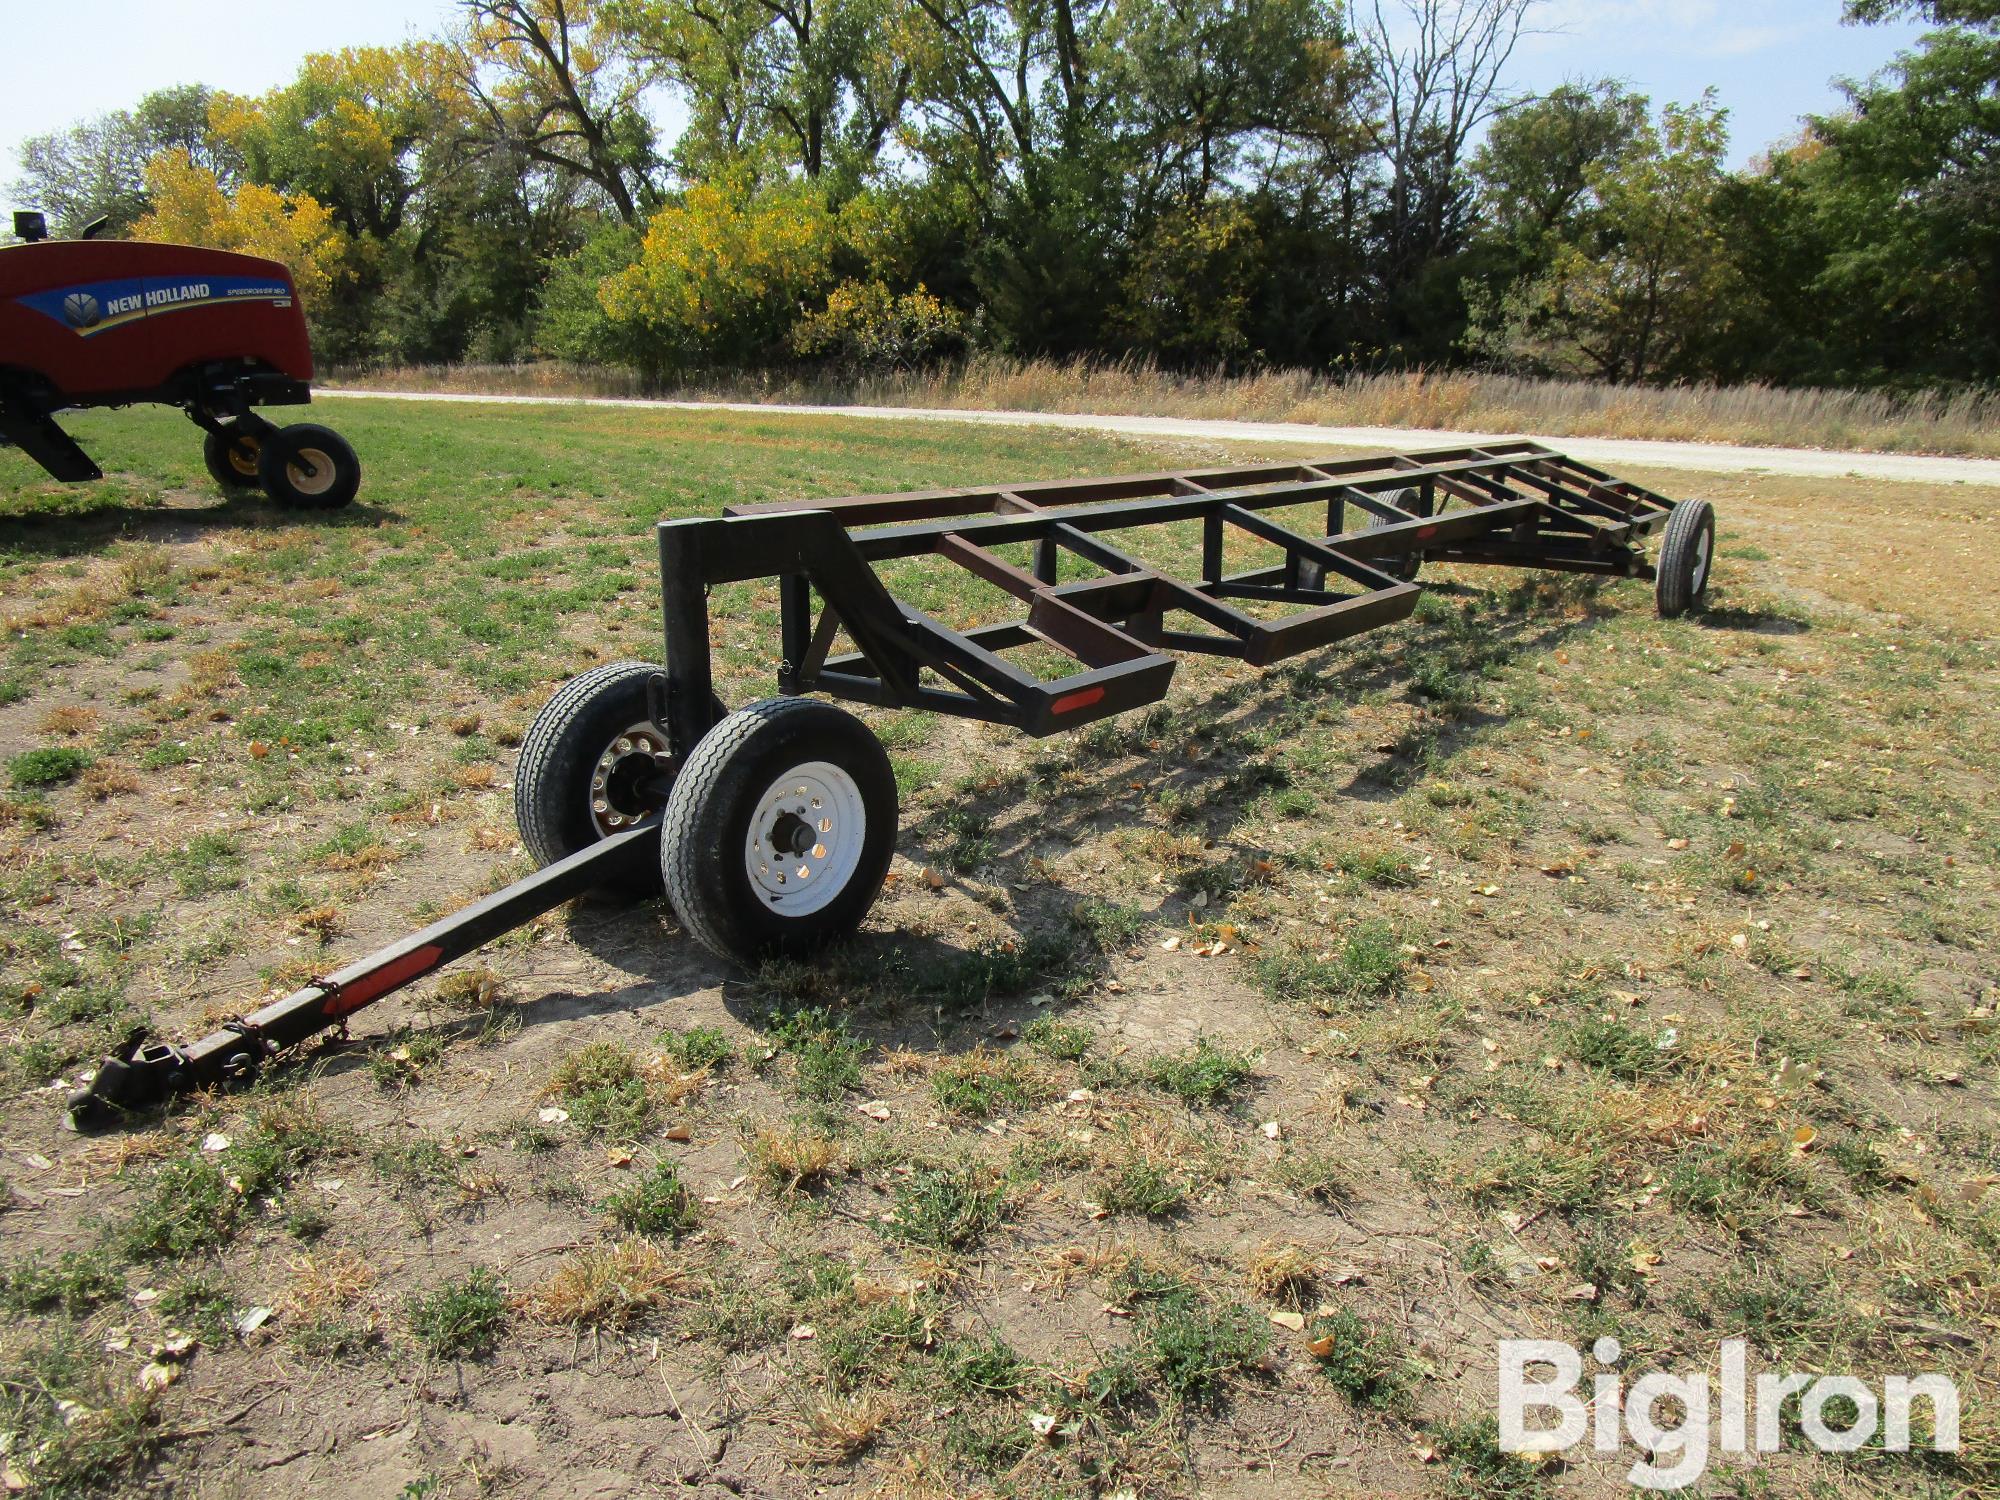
x,y
618,1156
552,1114
1042,1423
215,1140
681,1133
875,1109
157,1376
1296,1322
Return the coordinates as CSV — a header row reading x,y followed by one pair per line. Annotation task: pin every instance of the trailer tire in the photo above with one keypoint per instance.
x,y
729,837
1687,555
336,475
562,755
231,458
1403,566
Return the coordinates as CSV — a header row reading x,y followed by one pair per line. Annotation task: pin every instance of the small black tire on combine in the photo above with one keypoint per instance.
x,y
1398,565
231,458
590,766
779,830
1687,551
308,467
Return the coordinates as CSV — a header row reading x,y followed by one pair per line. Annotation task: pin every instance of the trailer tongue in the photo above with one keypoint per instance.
x,y
770,829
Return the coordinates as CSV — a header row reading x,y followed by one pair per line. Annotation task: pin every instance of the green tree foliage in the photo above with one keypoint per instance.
x,y
1643,280
1337,184
97,168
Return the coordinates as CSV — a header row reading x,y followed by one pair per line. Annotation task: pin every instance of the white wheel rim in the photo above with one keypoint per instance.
x,y
608,810
319,481
815,800
1699,580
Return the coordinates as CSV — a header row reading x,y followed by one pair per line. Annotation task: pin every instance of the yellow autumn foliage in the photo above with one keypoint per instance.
x,y
725,271
191,208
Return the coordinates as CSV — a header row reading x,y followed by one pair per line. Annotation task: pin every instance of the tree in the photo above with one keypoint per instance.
x,y
814,84
1984,13
1902,195
1533,170
723,274
550,86
190,207
358,130
1436,72
97,168
1643,295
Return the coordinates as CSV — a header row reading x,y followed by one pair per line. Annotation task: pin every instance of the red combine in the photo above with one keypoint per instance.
x,y
113,322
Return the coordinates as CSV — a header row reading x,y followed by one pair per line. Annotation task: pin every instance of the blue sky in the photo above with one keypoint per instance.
x,y
1771,61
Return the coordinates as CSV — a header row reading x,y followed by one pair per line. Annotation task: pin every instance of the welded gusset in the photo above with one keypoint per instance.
x,y
142,1075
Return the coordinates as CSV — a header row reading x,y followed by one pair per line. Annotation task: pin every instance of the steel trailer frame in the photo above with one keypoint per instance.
x,y
1516,504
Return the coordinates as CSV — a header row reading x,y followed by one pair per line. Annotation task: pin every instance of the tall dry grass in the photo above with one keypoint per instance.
x,y
1965,422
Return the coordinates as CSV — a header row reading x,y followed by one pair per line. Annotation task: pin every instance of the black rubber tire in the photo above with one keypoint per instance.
x,y
1687,559
708,824
1400,565
558,757
231,458
338,470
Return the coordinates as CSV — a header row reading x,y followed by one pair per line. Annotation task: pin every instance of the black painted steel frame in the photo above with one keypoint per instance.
x,y
1515,503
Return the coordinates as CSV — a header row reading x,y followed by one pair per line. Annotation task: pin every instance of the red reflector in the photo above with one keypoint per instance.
x,y
1081,698
1425,533
378,982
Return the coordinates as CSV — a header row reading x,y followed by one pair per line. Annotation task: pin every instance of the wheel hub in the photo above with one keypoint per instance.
x,y
622,782
805,838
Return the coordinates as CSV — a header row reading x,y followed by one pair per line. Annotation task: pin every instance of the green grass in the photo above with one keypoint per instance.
x,y
459,1317
1494,968
656,1203
947,1208
825,1055
50,766
1205,1075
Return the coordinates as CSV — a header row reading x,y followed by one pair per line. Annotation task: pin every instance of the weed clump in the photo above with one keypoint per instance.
x,y
50,766
460,1317
1204,1075
826,1056
603,1089
657,1203
1356,1360
947,1208
1367,965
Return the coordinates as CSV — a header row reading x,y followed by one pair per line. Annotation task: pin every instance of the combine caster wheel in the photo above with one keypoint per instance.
x,y
232,458
592,765
308,467
1686,551
779,830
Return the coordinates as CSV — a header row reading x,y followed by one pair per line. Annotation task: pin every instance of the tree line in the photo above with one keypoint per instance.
x,y
1329,184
